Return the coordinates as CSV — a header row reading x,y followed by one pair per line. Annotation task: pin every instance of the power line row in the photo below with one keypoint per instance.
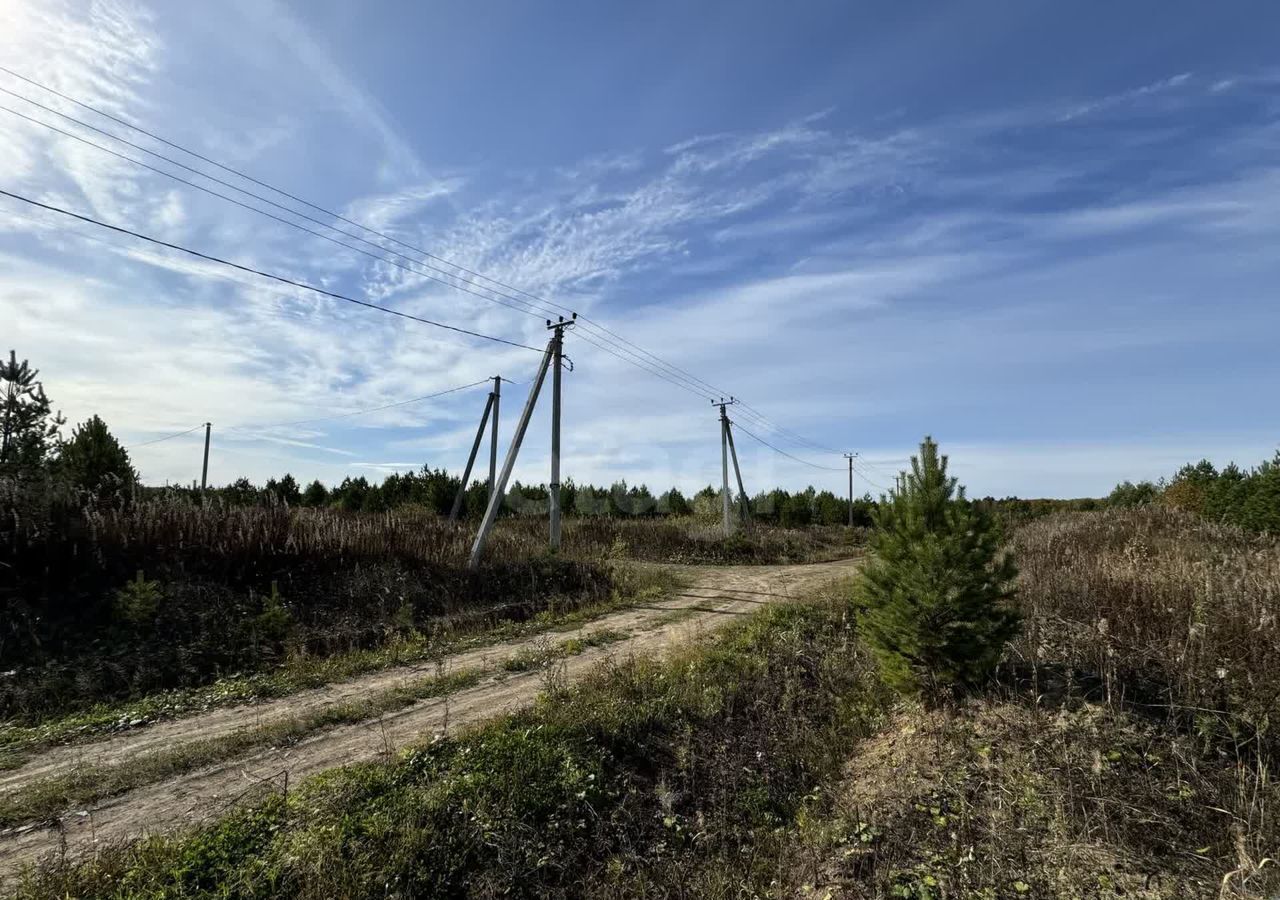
x,y
479,285
603,338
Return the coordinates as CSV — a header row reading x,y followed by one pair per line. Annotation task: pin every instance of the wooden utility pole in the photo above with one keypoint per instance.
x,y
557,353
850,457
204,470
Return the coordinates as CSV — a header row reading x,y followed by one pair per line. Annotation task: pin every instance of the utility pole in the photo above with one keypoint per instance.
x,y
500,486
724,462
490,406
493,434
204,471
850,456
557,358
744,510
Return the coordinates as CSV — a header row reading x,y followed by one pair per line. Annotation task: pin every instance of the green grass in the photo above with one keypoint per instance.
x,y
18,741
44,800
702,756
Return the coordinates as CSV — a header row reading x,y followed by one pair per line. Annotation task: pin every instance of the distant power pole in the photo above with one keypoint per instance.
x,y
204,470
850,457
557,359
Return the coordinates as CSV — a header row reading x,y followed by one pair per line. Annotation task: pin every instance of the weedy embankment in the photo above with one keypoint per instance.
x,y
642,778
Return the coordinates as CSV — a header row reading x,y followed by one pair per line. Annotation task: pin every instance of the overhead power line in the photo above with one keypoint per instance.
x,y
867,478
361,412
167,437
280,278
506,294
250,208
467,286
806,462
604,339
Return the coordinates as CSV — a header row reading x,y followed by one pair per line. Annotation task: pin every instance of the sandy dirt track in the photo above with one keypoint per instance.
x,y
714,596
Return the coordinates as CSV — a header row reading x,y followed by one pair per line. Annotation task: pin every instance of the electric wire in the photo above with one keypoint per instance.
x,y
262,212
785,453
358,412
604,338
525,308
794,436
865,477
612,342
167,437
280,278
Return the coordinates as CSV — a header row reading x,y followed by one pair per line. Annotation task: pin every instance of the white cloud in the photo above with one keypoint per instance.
x,y
886,316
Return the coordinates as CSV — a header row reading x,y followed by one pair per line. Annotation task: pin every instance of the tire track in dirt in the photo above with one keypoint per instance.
x,y
712,597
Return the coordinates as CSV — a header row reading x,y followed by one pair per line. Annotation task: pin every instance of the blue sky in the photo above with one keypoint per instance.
x,y
1042,232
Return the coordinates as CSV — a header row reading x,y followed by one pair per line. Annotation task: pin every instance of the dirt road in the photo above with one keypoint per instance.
x,y
714,596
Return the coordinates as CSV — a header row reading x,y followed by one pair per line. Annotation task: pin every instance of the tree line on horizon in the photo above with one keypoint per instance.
x,y
93,462
1247,498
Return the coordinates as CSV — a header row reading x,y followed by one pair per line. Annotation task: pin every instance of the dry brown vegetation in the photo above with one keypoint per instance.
x,y
115,602
1156,610
1124,750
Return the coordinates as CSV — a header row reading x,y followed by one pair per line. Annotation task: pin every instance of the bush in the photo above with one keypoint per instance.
x,y
933,598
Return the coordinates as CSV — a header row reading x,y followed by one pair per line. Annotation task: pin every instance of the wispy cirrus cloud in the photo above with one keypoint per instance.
x,y
893,271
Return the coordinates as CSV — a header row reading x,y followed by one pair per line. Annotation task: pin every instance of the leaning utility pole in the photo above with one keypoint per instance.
x,y
557,354
850,456
204,470
493,434
724,462
745,510
490,406
554,348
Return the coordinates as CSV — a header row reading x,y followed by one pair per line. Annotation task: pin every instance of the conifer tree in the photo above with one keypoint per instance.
x,y
28,428
94,461
316,494
935,596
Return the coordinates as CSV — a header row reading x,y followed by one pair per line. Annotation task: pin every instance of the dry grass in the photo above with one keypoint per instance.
x,y
114,603
1002,799
1158,610
1125,752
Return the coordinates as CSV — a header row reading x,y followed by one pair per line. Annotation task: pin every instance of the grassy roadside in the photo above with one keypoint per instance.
x,y
694,762
633,585
44,800
47,798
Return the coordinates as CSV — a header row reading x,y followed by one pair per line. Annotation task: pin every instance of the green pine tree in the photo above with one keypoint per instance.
x,y
28,427
94,461
934,597
316,494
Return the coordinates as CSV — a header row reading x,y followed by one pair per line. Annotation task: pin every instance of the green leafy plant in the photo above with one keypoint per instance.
x,y
934,599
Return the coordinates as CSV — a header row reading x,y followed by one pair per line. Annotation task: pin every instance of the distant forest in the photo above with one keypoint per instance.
x,y
92,461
